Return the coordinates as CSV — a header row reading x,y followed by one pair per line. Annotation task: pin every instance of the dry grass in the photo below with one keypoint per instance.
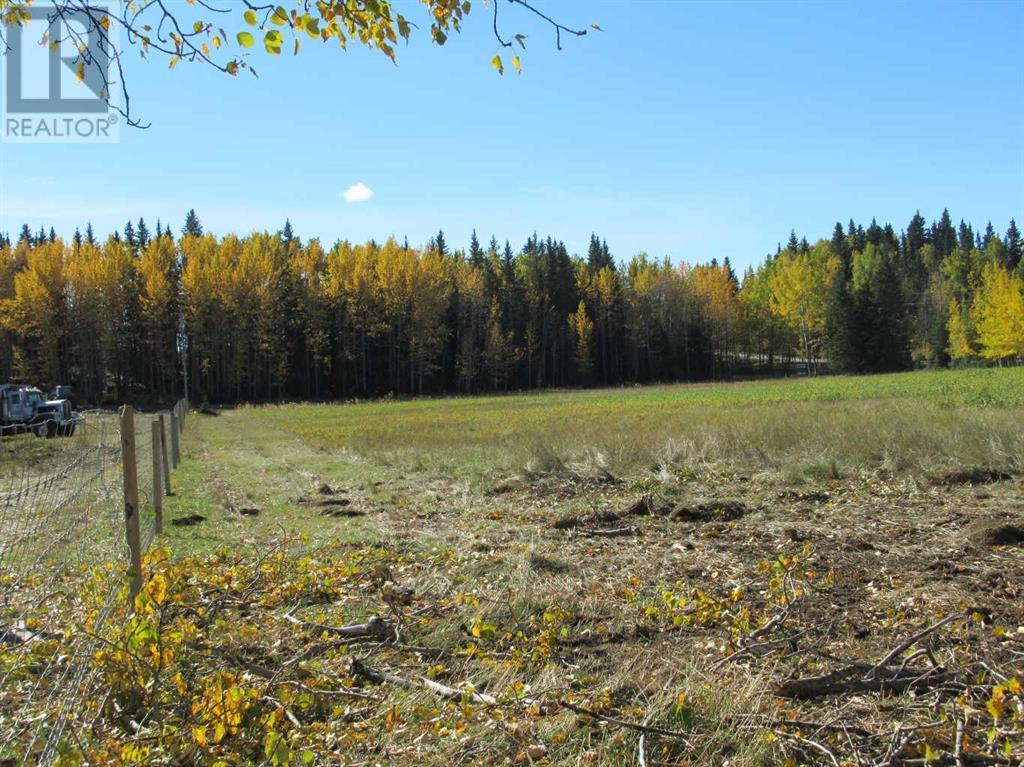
x,y
613,555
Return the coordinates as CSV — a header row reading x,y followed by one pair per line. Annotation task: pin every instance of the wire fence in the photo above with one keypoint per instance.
x,y
76,515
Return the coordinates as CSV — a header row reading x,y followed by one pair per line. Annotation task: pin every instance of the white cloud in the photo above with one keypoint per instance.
x,y
357,193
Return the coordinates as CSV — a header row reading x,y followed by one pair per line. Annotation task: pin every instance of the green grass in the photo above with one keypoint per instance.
x,y
395,455
910,419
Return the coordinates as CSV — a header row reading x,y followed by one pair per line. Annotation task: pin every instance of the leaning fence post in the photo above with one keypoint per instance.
x,y
165,454
131,502
175,449
158,476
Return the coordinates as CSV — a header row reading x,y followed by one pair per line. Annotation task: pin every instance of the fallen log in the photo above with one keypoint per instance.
x,y
839,682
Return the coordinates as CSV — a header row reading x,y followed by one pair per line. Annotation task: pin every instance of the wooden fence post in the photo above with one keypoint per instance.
x,y
158,476
165,454
175,448
131,503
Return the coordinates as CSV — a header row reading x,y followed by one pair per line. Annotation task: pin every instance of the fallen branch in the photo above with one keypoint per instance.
x,y
375,628
623,723
880,677
360,670
618,532
838,682
904,646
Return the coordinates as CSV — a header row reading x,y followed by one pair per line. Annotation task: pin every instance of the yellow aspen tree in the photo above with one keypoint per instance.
x,y
35,314
157,304
430,291
958,328
582,328
799,288
998,314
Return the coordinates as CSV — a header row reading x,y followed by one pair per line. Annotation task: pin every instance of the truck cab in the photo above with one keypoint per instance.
x,y
24,408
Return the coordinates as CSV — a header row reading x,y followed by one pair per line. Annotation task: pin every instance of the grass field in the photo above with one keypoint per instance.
x,y
921,423
736,573
670,555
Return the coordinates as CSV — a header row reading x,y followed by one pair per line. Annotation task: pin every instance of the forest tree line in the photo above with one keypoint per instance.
x,y
269,316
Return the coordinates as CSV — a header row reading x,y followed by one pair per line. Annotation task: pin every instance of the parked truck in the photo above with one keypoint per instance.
x,y
24,408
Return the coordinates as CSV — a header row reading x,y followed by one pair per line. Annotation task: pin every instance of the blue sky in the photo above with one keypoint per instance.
x,y
693,130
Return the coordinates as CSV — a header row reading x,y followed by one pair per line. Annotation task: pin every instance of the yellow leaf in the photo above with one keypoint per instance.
x,y
279,16
250,17
496,63
515,64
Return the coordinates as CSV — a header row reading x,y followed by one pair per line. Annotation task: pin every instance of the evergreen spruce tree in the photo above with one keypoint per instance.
x,y
439,244
53,235
598,256
129,236
792,245
990,234
874,233
26,235
194,228
892,344
1013,246
143,235
965,236
839,244
944,235
77,238
476,253
508,259
41,237
840,316
916,235
89,237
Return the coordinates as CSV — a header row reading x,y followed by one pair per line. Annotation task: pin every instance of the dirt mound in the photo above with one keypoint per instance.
x,y
972,476
190,519
334,511
708,511
711,511
814,496
1003,535
573,521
